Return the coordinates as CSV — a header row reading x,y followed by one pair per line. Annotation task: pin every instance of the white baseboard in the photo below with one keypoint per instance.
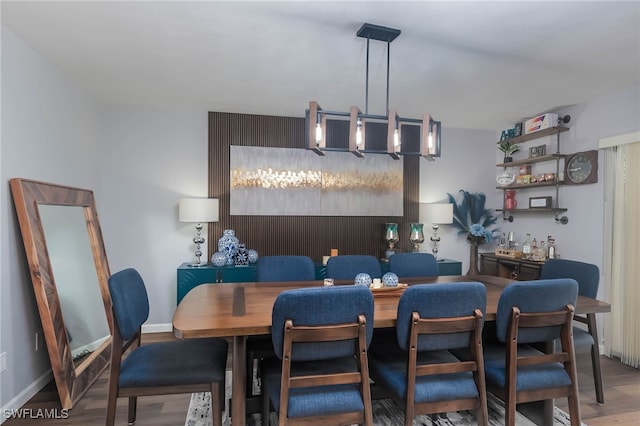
x,y
23,397
157,328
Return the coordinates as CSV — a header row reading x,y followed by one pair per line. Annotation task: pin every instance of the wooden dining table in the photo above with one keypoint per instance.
x,y
238,310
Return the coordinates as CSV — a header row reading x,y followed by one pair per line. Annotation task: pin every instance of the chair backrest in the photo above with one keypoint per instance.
x,y
534,297
285,268
130,302
346,267
586,274
447,300
413,265
319,306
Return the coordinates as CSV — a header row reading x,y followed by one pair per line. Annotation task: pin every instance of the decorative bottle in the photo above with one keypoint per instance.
x,y
242,256
551,248
537,253
526,247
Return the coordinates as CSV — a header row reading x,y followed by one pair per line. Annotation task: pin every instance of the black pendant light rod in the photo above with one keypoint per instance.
x,y
386,110
380,33
366,90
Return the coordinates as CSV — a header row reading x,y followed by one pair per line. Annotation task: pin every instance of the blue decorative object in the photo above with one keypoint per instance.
x,y
228,244
219,259
242,256
390,279
253,255
363,279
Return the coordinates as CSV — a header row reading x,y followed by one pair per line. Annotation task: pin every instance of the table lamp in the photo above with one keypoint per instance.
x,y
198,210
436,214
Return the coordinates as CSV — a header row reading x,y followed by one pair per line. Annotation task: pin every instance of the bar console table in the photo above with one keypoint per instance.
x,y
190,277
506,267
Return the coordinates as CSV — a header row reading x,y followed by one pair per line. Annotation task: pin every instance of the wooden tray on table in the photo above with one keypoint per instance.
x,y
389,291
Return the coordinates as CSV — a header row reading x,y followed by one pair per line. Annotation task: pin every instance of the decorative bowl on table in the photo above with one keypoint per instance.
x,y
363,279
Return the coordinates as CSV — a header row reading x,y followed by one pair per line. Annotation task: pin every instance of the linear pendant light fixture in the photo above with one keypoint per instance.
x,y
316,117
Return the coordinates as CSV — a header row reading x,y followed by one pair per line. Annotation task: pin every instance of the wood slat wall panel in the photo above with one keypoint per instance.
x,y
313,236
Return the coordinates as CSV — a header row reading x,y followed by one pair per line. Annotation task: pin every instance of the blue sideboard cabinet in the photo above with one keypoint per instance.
x,y
190,276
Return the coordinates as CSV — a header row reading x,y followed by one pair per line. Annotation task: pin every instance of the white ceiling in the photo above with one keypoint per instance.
x,y
480,64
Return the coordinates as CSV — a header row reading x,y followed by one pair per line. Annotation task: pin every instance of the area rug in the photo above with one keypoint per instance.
x,y
385,413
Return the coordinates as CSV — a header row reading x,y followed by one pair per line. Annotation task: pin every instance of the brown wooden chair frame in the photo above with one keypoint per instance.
x,y
120,347
567,357
420,326
325,333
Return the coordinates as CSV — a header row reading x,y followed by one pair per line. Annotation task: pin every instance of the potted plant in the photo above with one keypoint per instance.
x,y
509,148
474,221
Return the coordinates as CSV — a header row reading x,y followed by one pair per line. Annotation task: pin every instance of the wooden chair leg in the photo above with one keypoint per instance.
x,y
216,409
510,412
111,409
265,406
133,405
250,377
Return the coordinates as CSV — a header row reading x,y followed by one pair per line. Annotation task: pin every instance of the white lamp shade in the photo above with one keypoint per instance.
x,y
436,213
198,210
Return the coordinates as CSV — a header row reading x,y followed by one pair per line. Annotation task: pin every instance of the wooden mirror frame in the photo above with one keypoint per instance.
x,y
72,380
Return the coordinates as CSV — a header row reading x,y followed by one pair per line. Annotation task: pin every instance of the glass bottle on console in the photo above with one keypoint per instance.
x,y
551,248
537,252
526,247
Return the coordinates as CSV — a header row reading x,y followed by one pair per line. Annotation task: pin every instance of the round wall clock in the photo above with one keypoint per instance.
x,y
581,167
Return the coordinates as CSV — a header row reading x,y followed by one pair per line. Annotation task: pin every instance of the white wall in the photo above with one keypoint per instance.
x,y
49,133
468,163
149,159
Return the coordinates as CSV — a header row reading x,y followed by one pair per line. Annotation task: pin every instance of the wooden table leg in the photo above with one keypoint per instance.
x,y
238,392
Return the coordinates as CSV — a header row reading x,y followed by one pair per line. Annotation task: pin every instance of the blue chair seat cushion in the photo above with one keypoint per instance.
x,y
388,366
318,400
182,362
582,340
527,378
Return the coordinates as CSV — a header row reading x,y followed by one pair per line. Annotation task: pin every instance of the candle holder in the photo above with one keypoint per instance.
x,y
435,239
436,213
391,237
416,236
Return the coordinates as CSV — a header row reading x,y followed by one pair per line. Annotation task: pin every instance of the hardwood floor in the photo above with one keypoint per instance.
x,y
621,391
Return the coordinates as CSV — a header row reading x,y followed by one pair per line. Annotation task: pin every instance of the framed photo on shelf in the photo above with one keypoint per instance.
x,y
539,202
537,151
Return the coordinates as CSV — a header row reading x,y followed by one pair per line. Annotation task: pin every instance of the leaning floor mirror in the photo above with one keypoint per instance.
x,y
69,271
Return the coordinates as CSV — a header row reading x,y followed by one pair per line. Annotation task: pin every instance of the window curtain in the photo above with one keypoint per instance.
x,y
622,247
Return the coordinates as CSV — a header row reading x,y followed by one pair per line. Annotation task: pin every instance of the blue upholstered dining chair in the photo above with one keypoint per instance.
x,y
413,265
180,366
532,312
270,269
320,372
588,277
346,267
419,371
285,268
